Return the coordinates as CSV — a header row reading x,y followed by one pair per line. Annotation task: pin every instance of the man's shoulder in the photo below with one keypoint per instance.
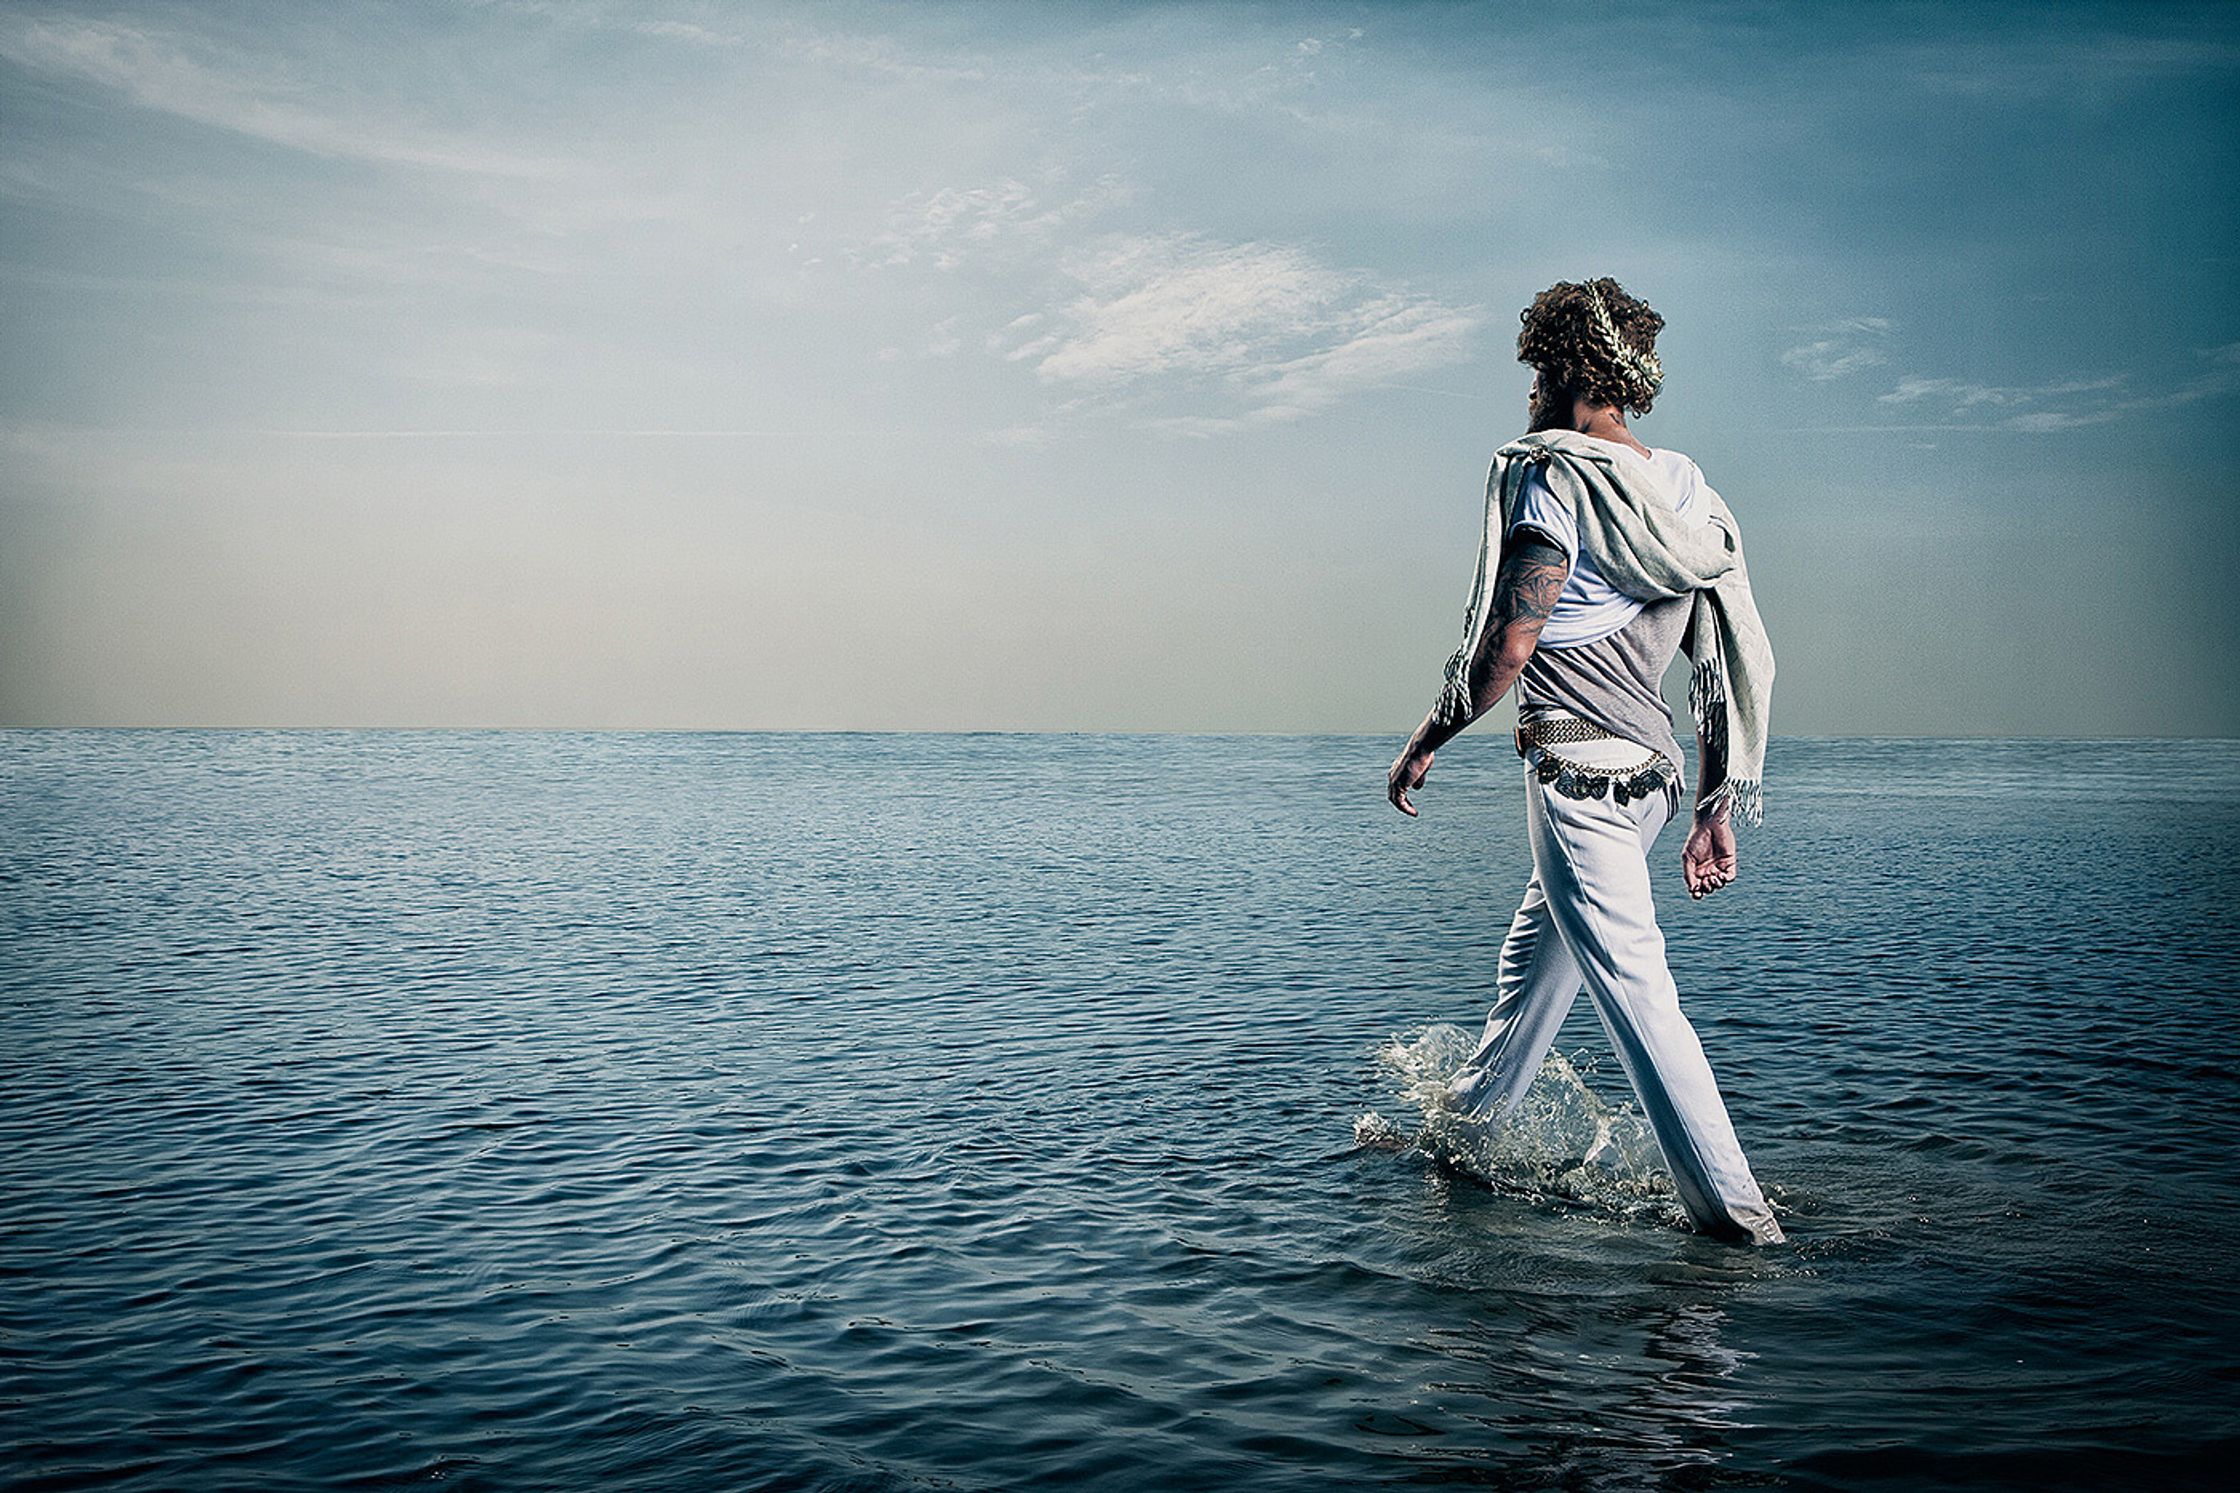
x,y
1536,448
1684,479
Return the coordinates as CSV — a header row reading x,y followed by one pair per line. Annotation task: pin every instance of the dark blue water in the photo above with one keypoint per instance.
x,y
893,1112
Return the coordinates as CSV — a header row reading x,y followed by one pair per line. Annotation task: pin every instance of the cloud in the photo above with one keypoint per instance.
x,y
2048,420
878,54
601,18
2067,404
950,226
1385,339
156,74
1177,303
2222,377
2060,64
1267,331
1961,395
686,31
1840,347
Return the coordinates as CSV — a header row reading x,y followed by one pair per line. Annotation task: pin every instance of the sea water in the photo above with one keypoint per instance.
x,y
670,1111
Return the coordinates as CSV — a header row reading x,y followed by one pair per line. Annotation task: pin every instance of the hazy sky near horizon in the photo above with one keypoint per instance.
x,y
582,363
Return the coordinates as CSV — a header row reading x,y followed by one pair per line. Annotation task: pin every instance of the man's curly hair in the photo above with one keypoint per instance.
x,y
1594,341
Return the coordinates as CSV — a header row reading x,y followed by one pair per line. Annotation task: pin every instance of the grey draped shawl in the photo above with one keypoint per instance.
x,y
1646,550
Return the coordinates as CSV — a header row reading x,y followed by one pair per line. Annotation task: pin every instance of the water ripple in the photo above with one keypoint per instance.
x,y
501,1110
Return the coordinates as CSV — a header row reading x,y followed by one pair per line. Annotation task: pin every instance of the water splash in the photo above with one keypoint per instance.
x,y
1374,1131
1562,1142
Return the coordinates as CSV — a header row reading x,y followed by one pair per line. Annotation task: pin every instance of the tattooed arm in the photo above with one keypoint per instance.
x,y
1533,569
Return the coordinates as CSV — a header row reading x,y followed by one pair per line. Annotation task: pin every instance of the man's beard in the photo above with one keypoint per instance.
x,y
1551,412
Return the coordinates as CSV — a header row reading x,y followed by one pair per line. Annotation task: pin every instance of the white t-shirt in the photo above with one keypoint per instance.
x,y
1589,608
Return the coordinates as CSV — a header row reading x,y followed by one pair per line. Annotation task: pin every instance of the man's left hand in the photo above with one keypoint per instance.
x,y
1708,860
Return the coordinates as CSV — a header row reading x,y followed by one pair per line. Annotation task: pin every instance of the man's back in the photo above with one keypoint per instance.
x,y
1603,654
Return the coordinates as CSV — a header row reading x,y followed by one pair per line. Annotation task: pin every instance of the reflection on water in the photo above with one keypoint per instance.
x,y
1656,1412
679,1111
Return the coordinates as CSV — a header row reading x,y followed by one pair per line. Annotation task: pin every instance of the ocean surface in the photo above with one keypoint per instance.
x,y
669,1111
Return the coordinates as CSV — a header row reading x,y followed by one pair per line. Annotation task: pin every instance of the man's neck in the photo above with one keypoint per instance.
x,y
1604,422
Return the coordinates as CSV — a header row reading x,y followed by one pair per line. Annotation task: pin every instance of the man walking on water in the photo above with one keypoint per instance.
x,y
1602,558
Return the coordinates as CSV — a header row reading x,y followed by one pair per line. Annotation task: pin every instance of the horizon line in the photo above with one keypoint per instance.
x,y
1395,733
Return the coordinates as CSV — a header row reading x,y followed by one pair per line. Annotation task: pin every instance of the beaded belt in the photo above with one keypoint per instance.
x,y
1561,728
1578,780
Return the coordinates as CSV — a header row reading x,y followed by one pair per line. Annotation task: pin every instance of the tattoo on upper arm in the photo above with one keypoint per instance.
x,y
1531,578
1524,592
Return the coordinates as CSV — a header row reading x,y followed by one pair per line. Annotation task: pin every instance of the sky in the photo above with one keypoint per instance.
x,y
573,363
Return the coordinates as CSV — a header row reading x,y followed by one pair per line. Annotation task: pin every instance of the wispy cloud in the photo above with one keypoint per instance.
x,y
2064,404
2035,408
1840,347
1178,303
879,54
1245,333
947,227
1382,341
1264,332
2059,62
156,73
1960,395
2219,378
595,17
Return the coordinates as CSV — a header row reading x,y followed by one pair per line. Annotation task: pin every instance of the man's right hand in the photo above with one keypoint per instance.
x,y
1407,774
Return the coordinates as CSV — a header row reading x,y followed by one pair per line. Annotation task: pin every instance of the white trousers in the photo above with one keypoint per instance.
x,y
1588,918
